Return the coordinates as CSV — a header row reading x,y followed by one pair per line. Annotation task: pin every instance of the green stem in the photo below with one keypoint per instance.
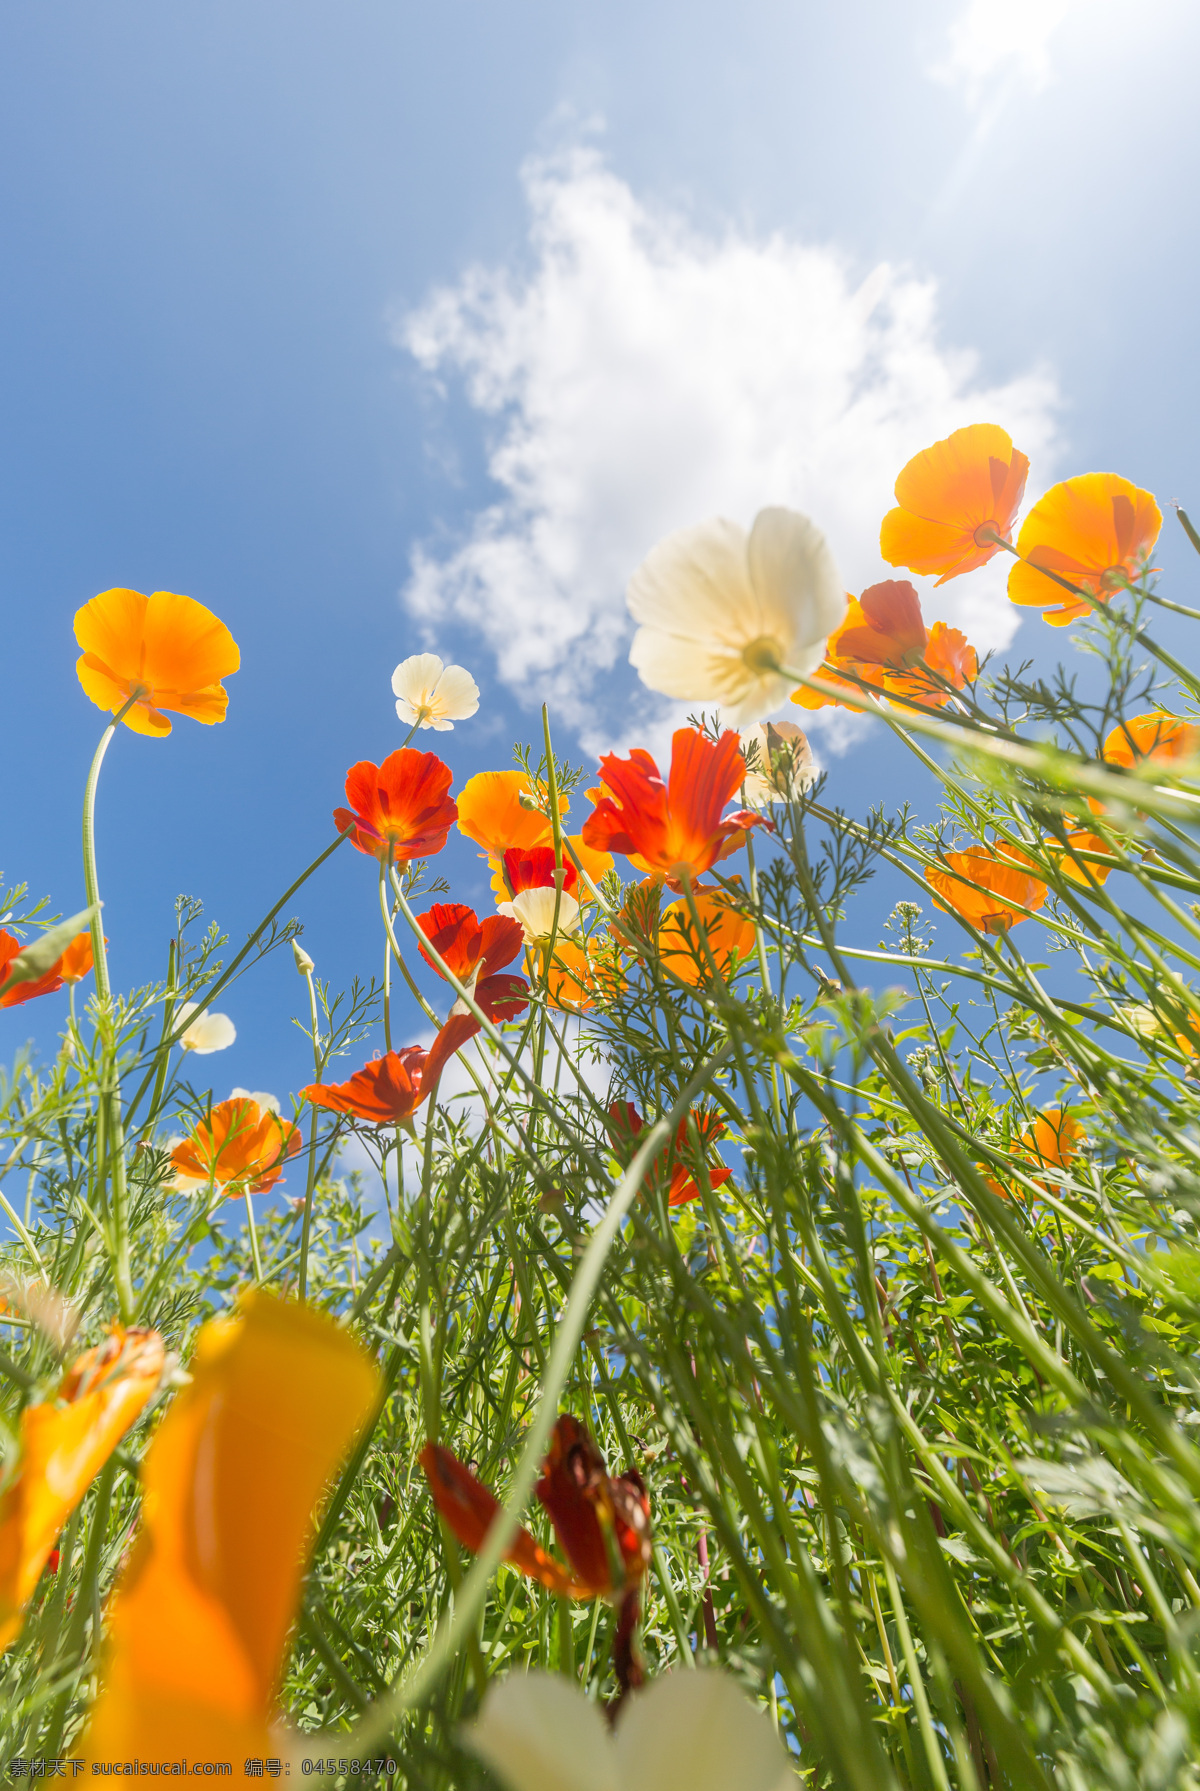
x,y
110,1097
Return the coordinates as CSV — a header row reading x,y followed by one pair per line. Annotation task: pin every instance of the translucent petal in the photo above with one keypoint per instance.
x,y
697,1731
539,1733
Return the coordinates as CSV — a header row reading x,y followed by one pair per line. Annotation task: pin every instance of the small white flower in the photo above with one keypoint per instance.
x,y
771,781
432,695
211,1032
267,1102
534,908
720,609
687,1731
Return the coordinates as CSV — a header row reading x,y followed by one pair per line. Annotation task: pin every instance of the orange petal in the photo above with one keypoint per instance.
x,y
490,812
63,1448
200,1619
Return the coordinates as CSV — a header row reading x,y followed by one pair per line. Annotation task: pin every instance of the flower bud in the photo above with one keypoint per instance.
x,y
304,963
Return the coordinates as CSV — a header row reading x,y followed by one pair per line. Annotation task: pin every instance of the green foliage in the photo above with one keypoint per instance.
x,y
917,1409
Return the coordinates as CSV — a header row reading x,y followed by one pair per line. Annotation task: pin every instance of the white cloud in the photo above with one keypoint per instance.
x,y
990,37
638,375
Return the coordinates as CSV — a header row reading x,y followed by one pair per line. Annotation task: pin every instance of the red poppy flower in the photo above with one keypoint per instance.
x,y
71,967
957,502
666,828
470,1509
589,1507
470,947
625,1124
403,805
475,952
533,867
386,1092
585,1505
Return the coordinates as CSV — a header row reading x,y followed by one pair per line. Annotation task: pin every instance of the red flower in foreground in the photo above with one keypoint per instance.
x,y
403,805
625,1124
667,828
585,1503
71,967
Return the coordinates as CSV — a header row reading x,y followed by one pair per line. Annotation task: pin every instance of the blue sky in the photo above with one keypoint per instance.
x,y
375,326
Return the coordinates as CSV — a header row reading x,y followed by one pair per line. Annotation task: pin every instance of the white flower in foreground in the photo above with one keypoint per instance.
x,y
268,1102
534,908
773,780
687,1731
432,695
211,1032
719,609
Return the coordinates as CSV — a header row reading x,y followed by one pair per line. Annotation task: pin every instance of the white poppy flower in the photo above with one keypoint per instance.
x,y
211,1032
267,1102
765,785
432,695
686,1731
534,908
719,609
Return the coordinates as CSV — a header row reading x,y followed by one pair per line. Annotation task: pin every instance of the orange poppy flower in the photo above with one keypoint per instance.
x,y
1053,1141
386,1092
168,651
64,1444
580,975
665,828
1096,531
1076,869
402,806
199,1623
585,1504
729,937
982,885
957,503
625,1123
884,642
1158,736
491,813
241,1148
76,961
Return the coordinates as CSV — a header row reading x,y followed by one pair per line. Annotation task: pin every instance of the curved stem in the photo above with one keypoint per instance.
x,y
110,1097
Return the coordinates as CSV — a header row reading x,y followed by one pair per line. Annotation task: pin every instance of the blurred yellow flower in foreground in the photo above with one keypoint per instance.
x,y
686,1731
64,1444
167,650
200,1619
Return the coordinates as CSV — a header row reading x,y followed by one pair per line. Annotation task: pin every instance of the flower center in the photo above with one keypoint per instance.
x,y
1114,579
987,535
762,654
